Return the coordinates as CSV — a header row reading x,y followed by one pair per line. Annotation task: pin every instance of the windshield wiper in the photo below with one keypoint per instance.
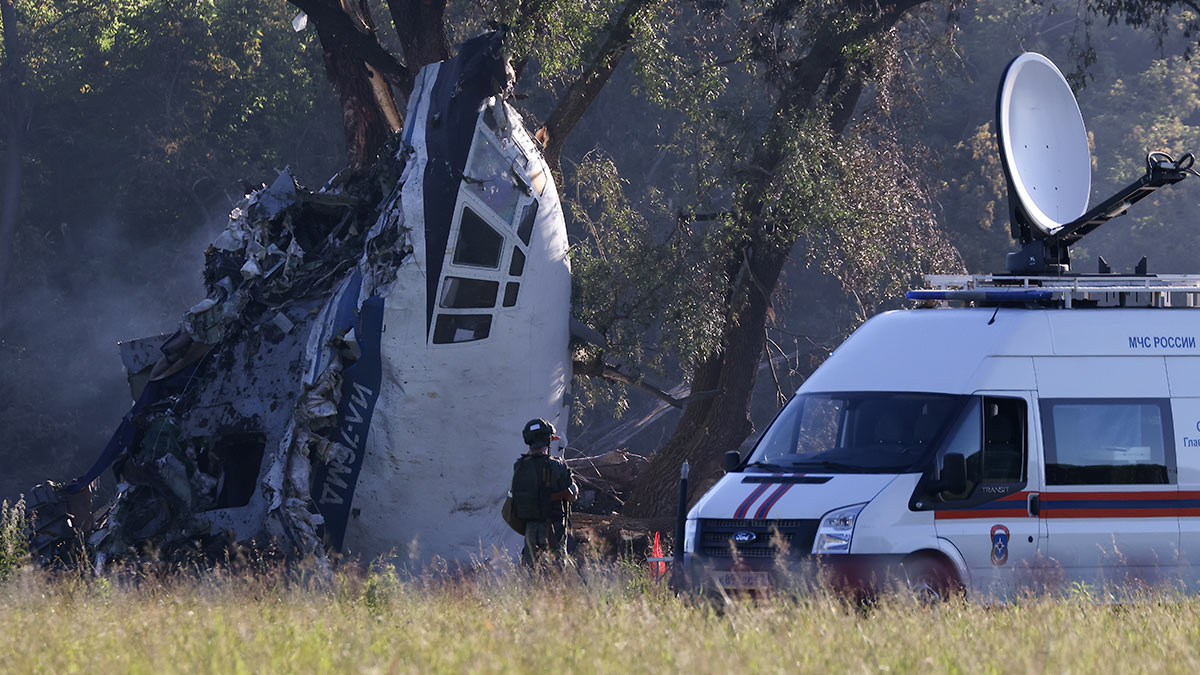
x,y
768,466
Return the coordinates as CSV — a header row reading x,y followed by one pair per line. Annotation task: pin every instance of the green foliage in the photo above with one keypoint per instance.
x,y
218,86
381,586
762,174
14,542
1153,104
675,69
1161,20
559,35
859,207
1136,100
643,277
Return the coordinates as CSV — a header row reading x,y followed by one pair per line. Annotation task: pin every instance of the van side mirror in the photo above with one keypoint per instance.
x,y
954,475
733,460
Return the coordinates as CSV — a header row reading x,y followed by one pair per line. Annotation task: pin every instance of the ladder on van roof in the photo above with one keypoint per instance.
x,y
1064,292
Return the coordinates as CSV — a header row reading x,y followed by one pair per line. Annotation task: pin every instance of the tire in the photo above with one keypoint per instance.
x,y
930,580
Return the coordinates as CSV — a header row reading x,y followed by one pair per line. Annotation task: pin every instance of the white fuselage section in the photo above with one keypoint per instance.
x,y
459,383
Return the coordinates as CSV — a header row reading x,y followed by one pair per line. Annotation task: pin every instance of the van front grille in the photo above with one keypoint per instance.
x,y
745,538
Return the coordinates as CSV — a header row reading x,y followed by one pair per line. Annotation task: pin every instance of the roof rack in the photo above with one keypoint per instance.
x,y
1066,292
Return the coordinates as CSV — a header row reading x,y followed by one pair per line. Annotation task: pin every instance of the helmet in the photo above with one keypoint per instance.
x,y
538,432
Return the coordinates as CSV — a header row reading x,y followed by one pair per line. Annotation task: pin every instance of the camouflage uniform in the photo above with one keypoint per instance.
x,y
549,536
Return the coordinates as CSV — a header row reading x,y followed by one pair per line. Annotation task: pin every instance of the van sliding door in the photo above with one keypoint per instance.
x,y
1110,498
1110,502
1184,375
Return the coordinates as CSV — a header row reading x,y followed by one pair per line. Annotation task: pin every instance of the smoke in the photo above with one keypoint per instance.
x,y
62,384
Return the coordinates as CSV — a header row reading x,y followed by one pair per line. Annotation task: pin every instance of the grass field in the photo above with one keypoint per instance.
x,y
605,620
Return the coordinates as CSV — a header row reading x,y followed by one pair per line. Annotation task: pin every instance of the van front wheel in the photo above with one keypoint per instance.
x,y
930,580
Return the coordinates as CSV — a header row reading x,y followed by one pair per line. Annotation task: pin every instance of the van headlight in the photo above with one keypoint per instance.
x,y
689,535
836,529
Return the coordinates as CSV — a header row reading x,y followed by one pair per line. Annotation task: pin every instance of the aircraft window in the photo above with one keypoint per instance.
x,y
525,229
478,244
1108,442
992,438
510,293
517,267
451,328
490,177
459,293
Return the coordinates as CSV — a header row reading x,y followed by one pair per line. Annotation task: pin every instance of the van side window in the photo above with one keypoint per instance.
x,y
1108,442
992,437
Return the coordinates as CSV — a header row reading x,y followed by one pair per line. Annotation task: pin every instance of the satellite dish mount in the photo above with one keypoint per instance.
x,y
1047,163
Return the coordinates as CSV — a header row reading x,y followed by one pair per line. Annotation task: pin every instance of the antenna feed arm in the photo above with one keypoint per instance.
x,y
1163,166
1050,253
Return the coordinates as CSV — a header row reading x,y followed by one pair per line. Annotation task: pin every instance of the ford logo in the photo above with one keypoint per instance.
x,y
744,536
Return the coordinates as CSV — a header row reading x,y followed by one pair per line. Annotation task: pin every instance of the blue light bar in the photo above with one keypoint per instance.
x,y
994,295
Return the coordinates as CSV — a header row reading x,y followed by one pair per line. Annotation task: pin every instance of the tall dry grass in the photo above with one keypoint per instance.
x,y
603,619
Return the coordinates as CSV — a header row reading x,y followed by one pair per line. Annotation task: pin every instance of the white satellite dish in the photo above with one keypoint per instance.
x,y
1043,143
1044,151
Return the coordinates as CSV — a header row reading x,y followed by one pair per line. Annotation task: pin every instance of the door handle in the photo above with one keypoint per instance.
x,y
1034,504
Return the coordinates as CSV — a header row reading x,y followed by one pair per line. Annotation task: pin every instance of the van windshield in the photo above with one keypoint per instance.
x,y
858,432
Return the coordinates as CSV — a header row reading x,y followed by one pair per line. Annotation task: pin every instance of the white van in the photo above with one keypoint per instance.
x,y
1043,430
1073,434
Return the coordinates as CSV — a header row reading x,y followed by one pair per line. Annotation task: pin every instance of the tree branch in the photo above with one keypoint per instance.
x,y
584,90
607,372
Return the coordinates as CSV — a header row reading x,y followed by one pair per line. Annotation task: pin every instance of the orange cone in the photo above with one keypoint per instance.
x,y
657,568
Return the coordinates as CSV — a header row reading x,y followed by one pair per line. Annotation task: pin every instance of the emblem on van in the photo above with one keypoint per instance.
x,y
744,536
999,544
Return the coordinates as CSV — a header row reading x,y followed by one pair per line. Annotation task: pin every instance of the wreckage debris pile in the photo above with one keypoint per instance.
x,y
606,480
225,390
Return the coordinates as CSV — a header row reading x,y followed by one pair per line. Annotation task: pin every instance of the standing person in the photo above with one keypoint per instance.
x,y
542,491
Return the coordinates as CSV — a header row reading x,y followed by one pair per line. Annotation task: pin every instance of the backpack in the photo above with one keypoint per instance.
x,y
531,488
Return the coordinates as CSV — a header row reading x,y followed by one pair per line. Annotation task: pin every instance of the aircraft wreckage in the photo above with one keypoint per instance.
x,y
356,376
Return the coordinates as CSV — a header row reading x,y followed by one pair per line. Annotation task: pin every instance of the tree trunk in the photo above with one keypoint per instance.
x,y
360,70
12,97
421,26
711,427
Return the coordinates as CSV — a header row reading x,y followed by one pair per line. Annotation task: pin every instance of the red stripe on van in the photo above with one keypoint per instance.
x,y
1156,494
770,502
745,505
1165,512
982,511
